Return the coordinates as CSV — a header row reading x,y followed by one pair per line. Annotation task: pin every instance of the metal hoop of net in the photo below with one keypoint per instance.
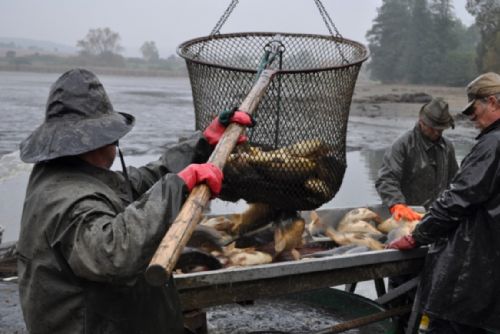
x,y
295,158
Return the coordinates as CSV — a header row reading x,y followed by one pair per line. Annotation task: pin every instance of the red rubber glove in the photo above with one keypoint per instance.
x,y
406,242
216,129
399,211
203,173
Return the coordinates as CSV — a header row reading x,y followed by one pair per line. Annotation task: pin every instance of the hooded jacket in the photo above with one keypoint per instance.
x,y
415,170
83,247
461,277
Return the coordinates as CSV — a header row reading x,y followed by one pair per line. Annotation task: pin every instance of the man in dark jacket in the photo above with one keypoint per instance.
x,y
88,233
460,287
419,164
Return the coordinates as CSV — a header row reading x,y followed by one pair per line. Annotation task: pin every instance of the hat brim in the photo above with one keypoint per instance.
x,y
60,138
468,110
429,122
442,127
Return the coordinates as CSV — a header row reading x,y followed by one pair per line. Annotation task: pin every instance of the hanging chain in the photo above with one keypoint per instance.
x,y
224,17
331,27
327,19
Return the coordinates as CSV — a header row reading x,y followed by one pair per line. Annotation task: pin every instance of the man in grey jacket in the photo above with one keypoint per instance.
x,y
460,287
87,233
419,164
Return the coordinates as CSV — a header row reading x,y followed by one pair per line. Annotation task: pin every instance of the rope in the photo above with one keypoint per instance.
x,y
130,193
272,50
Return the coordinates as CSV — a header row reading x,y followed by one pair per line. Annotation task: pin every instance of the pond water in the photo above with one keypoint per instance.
x,y
164,111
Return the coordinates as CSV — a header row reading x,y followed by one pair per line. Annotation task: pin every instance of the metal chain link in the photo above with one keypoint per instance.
x,y
224,17
327,19
330,26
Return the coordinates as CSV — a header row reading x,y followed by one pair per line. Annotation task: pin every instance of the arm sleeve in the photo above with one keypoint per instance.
x,y
100,245
452,164
472,186
194,149
388,183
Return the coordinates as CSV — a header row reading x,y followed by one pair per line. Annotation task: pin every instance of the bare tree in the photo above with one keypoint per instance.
x,y
150,51
100,41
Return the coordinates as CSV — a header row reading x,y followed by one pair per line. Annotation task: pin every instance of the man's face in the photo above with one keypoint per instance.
x,y
485,112
108,155
432,133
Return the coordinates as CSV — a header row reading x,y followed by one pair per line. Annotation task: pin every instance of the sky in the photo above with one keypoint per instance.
x,y
170,22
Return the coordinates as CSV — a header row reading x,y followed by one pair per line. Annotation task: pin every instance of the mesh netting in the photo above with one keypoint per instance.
x,y
296,153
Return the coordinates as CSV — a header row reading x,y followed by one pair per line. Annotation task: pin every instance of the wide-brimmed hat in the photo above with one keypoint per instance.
x,y
79,118
483,86
436,114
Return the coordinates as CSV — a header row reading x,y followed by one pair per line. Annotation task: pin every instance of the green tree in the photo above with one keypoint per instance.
x,y
422,42
443,40
419,52
387,39
487,16
150,52
100,41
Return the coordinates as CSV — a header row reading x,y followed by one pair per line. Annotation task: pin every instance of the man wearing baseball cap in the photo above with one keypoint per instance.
x,y
460,288
416,168
87,233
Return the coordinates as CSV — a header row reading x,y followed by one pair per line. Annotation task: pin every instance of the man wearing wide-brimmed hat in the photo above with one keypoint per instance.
x,y
460,287
419,164
87,233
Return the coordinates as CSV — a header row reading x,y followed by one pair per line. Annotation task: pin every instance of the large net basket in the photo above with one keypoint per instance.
x,y
295,158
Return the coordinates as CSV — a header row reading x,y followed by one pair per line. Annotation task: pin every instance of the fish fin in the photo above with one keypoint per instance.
x,y
279,240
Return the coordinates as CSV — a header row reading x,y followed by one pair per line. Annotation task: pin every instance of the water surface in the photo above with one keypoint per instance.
x,y
164,111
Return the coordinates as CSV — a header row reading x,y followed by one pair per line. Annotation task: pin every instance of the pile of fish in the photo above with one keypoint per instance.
x,y
308,167
262,235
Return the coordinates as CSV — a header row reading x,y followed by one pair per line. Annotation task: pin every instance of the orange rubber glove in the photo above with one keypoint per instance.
x,y
216,128
399,211
203,173
404,243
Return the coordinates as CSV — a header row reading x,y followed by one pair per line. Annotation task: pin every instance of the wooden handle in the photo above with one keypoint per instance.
x,y
163,262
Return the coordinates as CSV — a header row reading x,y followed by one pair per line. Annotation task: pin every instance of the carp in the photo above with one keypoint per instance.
x,y
316,227
288,235
245,256
195,260
390,224
357,220
357,238
255,216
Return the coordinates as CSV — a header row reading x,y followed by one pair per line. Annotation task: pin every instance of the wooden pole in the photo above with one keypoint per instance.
x,y
163,262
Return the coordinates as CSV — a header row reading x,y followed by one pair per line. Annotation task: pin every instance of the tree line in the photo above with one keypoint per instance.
x,y
410,41
423,42
101,48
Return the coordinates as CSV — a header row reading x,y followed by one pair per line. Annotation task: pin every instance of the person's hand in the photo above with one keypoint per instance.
x,y
399,211
216,129
404,243
203,173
